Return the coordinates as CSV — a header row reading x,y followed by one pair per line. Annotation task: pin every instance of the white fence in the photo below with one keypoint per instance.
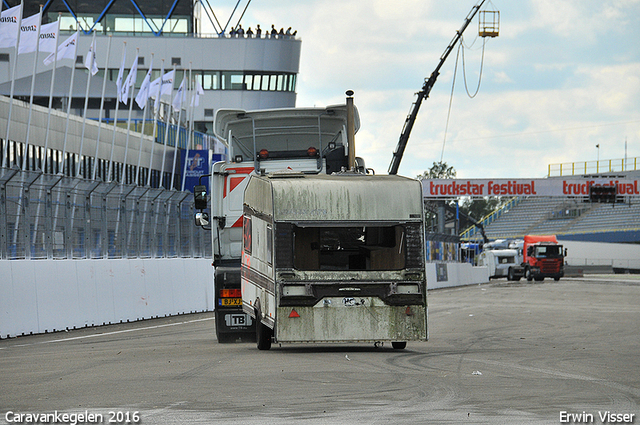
x,y
51,295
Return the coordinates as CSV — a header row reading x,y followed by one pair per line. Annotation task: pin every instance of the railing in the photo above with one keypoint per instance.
x,y
490,218
594,167
45,216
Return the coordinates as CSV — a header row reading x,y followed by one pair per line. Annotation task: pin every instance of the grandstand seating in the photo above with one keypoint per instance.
x,y
566,217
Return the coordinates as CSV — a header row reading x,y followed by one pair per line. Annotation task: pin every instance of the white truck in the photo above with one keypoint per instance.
x,y
334,258
309,140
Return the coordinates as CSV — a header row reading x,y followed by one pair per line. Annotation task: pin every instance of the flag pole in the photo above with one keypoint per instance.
x,y
115,116
190,109
144,118
86,97
33,85
126,146
155,123
66,128
5,160
53,79
104,85
166,130
178,127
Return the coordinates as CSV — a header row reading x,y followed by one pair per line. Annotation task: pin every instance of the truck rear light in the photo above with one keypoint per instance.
x,y
408,289
312,151
294,290
263,154
230,293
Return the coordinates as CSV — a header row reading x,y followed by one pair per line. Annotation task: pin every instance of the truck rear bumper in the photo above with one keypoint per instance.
x,y
351,320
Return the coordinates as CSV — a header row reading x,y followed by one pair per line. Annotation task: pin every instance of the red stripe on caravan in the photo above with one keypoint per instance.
x,y
238,223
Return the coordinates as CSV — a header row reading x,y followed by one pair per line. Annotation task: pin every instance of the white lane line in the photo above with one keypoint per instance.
x,y
75,338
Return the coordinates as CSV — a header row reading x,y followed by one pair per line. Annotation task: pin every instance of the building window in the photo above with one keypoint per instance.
x,y
175,61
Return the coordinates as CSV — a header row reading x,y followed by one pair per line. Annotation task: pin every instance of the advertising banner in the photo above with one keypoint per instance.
x,y
560,187
197,164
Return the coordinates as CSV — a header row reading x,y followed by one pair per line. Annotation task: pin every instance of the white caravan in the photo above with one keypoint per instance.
x,y
334,258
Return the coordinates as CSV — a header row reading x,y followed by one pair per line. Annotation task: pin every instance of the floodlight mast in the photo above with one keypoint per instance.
x,y
424,93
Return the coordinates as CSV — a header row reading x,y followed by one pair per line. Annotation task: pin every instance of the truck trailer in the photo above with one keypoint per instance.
x,y
334,258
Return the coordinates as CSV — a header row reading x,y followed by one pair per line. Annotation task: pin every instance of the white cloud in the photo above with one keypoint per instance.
x,y
563,76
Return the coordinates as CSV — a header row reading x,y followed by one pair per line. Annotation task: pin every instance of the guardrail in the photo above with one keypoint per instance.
x,y
594,167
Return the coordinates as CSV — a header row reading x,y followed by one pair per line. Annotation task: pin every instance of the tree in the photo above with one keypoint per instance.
x,y
474,208
479,208
439,170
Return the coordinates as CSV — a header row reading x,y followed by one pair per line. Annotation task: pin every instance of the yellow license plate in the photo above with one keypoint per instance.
x,y
227,302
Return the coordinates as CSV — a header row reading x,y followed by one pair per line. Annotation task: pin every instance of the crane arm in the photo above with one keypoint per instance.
x,y
424,93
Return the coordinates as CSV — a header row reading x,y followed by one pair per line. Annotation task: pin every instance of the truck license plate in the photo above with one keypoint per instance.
x,y
228,302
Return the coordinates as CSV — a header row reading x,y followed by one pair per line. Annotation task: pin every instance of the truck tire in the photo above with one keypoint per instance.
x,y
511,275
399,345
528,274
539,279
263,333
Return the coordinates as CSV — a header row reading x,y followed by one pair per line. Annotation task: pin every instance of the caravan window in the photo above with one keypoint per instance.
x,y
349,248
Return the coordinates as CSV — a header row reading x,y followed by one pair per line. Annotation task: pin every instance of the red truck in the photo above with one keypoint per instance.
x,y
542,256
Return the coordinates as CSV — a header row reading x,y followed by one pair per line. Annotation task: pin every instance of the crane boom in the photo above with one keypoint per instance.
x,y
424,93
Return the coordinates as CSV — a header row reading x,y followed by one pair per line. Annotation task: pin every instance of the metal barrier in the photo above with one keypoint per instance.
x,y
59,217
593,167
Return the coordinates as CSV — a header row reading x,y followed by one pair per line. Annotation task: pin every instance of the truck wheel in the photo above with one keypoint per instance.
x,y
511,275
263,333
399,345
539,279
556,279
528,275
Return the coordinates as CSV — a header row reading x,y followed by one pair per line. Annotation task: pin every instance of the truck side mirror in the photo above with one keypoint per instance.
x,y
202,219
565,252
200,196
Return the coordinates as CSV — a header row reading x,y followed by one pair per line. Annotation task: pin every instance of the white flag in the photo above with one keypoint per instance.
x,y
130,81
29,34
195,100
9,26
48,37
167,84
121,76
90,63
143,94
180,96
67,50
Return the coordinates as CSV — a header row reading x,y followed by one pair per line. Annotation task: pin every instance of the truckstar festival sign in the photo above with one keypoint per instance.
x,y
452,188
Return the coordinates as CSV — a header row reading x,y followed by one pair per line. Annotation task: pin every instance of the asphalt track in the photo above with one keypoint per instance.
x,y
499,353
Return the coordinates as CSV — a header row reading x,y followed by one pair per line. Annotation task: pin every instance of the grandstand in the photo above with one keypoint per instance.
x,y
572,218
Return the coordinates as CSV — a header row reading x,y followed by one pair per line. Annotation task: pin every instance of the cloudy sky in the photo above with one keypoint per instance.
x,y
562,77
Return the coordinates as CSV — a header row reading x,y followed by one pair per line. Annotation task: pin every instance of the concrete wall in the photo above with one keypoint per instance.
x,y
38,296
626,256
445,275
51,295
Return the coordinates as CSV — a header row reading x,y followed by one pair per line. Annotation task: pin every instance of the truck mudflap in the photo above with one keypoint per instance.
x,y
347,319
232,324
